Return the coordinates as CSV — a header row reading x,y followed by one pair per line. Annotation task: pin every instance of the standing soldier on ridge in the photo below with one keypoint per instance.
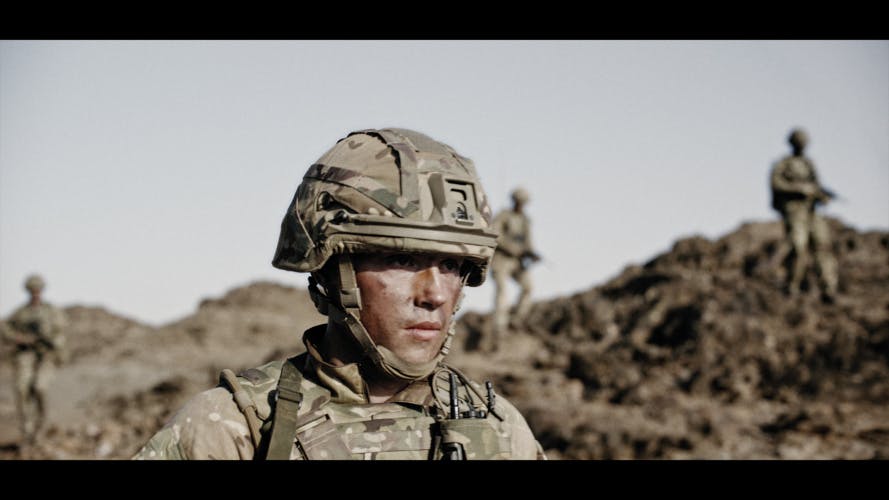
x,y
514,254
795,195
36,331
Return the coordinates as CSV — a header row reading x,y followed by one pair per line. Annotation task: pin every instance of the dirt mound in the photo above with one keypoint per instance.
x,y
125,378
695,354
698,354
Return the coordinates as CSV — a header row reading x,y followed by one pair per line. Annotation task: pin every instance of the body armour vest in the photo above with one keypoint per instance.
x,y
297,419
797,171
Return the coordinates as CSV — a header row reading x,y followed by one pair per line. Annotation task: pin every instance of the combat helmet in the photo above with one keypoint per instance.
x,y
380,190
520,195
798,138
34,283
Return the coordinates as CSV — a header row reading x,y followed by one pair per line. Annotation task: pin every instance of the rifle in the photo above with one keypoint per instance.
x,y
529,257
22,336
824,195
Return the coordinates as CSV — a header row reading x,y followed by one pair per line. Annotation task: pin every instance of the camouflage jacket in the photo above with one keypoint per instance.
x,y
36,327
336,421
515,233
793,179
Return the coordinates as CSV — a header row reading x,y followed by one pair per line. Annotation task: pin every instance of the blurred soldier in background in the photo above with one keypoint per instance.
x,y
795,195
514,254
391,225
36,331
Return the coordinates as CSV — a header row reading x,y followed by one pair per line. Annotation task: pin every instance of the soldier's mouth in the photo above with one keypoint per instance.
x,y
426,330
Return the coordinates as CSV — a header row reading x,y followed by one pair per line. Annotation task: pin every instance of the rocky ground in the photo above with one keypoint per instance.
x,y
125,379
694,354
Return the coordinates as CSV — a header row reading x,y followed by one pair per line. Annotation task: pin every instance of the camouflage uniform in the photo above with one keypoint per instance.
x,y
511,260
795,194
335,420
387,190
36,332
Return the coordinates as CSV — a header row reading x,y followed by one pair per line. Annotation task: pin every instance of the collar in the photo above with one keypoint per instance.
x,y
345,382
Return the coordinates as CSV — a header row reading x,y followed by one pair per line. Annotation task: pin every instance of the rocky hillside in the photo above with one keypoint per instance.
x,y
695,354
125,378
698,354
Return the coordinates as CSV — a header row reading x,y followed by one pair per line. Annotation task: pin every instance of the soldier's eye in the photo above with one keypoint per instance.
x,y
450,265
400,260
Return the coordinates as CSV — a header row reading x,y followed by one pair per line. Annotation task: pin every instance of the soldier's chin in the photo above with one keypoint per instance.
x,y
417,358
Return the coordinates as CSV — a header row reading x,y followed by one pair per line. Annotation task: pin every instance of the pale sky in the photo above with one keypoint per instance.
x,y
145,175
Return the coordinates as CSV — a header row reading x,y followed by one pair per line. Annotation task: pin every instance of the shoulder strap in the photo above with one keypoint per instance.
x,y
295,415
298,417
288,399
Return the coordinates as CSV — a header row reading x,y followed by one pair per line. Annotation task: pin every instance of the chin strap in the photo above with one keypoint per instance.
x,y
348,314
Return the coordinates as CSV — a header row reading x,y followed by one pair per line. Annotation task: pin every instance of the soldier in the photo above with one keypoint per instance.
x,y
512,258
795,195
391,225
36,331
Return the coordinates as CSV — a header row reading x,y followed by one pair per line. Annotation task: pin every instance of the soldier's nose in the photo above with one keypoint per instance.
x,y
429,288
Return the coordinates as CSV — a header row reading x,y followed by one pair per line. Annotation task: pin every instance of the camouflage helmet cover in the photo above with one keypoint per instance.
x,y
520,195
34,282
388,190
798,138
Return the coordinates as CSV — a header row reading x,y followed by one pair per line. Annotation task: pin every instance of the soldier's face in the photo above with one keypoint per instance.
x,y
407,301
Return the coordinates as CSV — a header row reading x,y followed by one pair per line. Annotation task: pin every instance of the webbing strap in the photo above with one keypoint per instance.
x,y
349,315
245,404
349,312
350,294
288,400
